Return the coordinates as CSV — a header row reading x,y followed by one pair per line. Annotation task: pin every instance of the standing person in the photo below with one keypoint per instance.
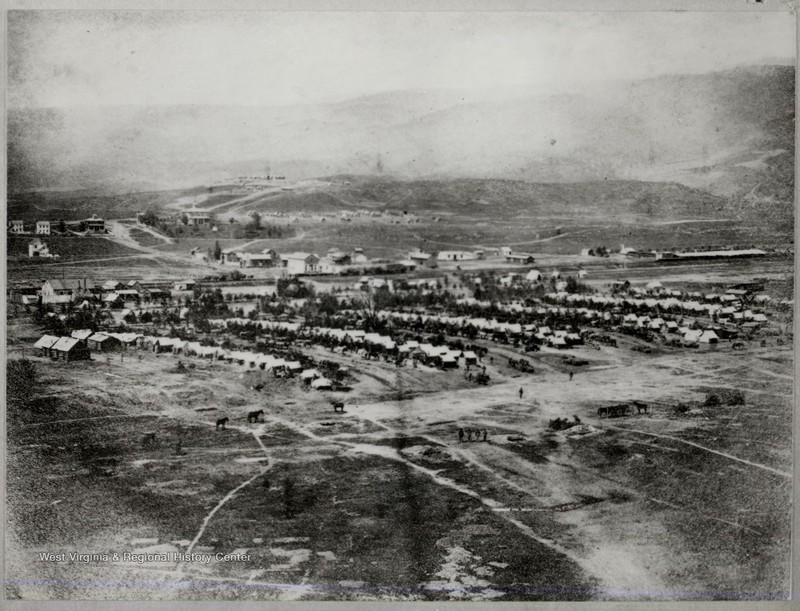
x,y
520,390
570,376
469,434
484,434
460,435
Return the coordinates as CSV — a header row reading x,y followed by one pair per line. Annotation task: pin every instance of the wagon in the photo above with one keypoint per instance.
x,y
613,411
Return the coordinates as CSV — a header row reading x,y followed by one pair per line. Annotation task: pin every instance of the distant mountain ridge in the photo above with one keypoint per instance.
x,y
730,132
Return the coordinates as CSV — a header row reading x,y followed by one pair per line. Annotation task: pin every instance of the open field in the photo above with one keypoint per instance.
x,y
382,502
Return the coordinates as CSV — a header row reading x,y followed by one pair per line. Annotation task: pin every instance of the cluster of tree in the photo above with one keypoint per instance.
x,y
155,317
290,288
599,251
71,319
205,305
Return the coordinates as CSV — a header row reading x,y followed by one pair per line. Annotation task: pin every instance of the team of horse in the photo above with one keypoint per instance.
x,y
622,409
470,433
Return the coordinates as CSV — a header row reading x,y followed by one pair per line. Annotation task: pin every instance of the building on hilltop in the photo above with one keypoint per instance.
x,y
95,224
197,218
37,248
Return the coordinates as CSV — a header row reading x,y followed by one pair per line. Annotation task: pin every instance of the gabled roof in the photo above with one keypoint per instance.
x,y
71,284
65,344
100,337
81,333
46,341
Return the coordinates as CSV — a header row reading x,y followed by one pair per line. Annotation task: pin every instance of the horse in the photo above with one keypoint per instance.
x,y
338,406
149,439
641,407
460,435
255,416
221,423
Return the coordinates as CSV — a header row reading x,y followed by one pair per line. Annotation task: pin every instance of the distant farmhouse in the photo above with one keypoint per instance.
x,y
38,249
95,224
198,218
42,227
520,257
17,227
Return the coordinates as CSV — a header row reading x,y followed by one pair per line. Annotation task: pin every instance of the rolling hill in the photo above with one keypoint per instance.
x,y
730,133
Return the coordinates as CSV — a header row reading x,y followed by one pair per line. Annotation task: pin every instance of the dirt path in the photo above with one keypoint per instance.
x,y
624,576
143,415
697,445
775,375
219,506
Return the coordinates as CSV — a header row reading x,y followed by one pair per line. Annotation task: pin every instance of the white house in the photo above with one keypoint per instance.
x,y
62,291
533,275
455,255
198,217
42,227
300,263
37,248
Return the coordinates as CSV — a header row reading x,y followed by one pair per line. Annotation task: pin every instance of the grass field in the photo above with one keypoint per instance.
x,y
70,248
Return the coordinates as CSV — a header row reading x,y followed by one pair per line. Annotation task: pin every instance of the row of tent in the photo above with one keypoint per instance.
x,y
78,346
440,354
242,357
733,302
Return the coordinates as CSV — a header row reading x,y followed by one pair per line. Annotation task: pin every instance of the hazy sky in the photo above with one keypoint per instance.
x,y
89,58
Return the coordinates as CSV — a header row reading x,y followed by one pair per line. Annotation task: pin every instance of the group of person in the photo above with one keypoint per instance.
x,y
470,434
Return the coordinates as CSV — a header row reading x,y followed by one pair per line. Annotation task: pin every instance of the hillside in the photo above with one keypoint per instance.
x,y
730,132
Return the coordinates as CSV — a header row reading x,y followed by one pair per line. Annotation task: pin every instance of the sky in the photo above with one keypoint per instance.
x,y
112,58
